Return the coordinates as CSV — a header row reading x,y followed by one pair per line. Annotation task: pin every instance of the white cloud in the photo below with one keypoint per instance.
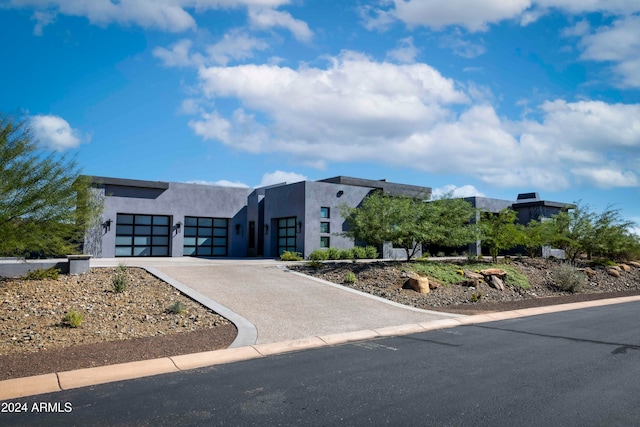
x,y
607,177
212,126
406,51
177,55
163,15
455,191
618,44
54,132
235,45
42,19
220,183
461,47
279,177
265,18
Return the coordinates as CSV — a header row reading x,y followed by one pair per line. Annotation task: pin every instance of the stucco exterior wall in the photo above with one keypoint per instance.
x,y
282,202
177,201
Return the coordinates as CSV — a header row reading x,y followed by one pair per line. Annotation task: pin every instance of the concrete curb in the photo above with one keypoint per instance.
x,y
29,386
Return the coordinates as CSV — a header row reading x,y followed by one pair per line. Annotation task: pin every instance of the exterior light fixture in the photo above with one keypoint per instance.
x,y
238,227
107,225
299,226
178,226
340,193
266,229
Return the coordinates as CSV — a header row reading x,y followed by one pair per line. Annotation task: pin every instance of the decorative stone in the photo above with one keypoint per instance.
x,y
613,272
493,272
419,284
497,283
634,264
625,267
590,272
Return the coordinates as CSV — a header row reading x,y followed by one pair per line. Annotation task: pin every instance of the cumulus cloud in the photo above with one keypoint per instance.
x,y
169,16
409,115
235,45
54,132
455,191
279,177
406,51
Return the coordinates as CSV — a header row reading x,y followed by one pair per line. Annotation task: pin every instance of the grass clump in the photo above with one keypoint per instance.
x,y
43,273
350,277
120,282
315,264
72,319
290,256
177,308
568,278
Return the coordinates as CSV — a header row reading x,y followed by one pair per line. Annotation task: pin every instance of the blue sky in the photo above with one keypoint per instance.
x,y
483,97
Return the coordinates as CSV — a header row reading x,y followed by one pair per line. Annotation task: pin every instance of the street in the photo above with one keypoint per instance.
x,y
573,368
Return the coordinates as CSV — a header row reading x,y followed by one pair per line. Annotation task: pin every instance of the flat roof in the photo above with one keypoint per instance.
x,y
136,183
391,188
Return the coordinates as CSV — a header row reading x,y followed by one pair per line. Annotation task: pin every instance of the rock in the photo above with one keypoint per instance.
x,y
590,272
613,272
634,264
625,267
493,272
473,276
419,284
497,283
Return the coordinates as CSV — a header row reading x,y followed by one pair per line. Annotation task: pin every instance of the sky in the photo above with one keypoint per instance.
x,y
474,97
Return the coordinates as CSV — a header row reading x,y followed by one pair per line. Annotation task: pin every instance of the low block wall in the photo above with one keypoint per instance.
x,y
73,264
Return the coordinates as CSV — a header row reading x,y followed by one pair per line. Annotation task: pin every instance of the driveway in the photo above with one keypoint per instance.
x,y
281,304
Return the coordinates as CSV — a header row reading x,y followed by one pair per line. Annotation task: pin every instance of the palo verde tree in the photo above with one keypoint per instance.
x,y
500,232
409,222
39,193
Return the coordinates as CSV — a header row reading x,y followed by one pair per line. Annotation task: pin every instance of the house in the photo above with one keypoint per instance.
x,y
154,218
171,219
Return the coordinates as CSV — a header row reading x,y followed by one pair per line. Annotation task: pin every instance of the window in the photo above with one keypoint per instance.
x,y
205,236
324,212
286,235
142,235
325,227
324,242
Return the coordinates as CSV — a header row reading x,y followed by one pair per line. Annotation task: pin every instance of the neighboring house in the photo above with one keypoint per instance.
x,y
154,218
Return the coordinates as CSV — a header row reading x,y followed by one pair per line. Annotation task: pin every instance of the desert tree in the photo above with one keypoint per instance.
x,y
500,232
39,195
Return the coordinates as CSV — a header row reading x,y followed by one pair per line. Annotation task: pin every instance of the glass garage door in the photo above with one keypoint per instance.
x,y
286,235
205,236
142,235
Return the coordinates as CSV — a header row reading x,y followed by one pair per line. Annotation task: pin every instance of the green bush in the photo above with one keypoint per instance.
x,y
177,308
72,319
346,254
333,253
440,254
359,252
119,281
290,256
350,277
568,278
372,252
603,262
319,255
41,274
450,272
314,263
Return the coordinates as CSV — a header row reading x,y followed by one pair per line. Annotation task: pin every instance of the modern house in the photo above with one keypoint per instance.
x,y
154,218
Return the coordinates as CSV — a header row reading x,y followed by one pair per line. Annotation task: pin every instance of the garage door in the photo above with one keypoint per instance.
x,y
142,235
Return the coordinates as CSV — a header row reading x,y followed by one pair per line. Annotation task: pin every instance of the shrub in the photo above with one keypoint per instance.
x,y
359,252
40,274
568,278
346,253
119,281
319,255
372,252
314,263
333,253
350,277
440,254
177,308
72,319
290,256
603,262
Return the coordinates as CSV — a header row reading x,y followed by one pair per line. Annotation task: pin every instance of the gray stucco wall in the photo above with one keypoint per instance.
x,y
282,202
177,201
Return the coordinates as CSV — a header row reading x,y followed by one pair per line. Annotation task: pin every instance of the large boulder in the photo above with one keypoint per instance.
x,y
613,272
496,282
493,272
624,267
634,264
419,284
473,279
589,272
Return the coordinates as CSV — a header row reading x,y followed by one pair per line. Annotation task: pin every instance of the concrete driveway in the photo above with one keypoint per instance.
x,y
282,305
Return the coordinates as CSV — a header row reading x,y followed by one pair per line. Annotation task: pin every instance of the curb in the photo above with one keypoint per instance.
x,y
48,383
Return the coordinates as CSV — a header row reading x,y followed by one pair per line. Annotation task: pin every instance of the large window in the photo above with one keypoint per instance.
x,y
286,235
205,236
324,212
325,227
142,235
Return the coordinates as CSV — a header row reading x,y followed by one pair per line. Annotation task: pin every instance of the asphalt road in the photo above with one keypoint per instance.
x,y
575,368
